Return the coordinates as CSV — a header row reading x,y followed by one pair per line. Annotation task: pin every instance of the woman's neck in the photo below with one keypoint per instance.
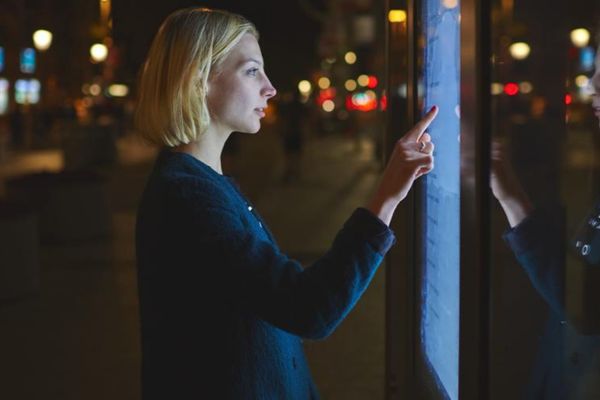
x,y
207,148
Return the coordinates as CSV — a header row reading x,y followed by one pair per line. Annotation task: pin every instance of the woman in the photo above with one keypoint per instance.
x,y
568,361
223,311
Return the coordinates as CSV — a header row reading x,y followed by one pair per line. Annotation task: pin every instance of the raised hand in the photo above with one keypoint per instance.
x,y
506,186
411,158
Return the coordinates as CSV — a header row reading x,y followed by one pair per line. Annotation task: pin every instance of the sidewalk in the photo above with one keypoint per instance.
x,y
78,338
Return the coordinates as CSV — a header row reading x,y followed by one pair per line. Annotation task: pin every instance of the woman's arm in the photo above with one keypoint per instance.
x,y
241,267
536,237
249,271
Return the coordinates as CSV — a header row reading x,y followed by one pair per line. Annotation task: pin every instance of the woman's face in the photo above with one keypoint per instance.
x,y
596,86
239,89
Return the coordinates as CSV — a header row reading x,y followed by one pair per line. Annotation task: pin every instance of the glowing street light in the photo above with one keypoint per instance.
x,y
95,89
580,37
99,52
363,80
118,90
324,82
328,105
350,57
304,87
582,81
42,39
525,87
519,50
397,16
497,88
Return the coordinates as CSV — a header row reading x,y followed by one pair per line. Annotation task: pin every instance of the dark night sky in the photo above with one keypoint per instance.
x,y
288,35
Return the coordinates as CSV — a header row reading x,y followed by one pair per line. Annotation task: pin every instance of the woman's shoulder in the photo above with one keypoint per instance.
x,y
183,178
199,190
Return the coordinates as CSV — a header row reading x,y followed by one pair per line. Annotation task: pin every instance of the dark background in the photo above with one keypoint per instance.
x,y
288,32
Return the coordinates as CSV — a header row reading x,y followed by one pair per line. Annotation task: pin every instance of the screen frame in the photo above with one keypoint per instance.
x,y
476,55
406,376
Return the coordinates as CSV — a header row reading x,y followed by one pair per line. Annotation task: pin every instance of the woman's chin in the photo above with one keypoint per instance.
x,y
250,130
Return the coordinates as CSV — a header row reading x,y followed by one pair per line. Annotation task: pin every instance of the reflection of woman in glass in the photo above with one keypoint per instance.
x,y
223,311
568,363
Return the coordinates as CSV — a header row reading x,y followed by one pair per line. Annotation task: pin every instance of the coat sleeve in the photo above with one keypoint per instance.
x,y
256,277
540,246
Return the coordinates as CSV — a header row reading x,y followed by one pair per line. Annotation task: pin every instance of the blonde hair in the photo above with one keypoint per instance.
x,y
190,44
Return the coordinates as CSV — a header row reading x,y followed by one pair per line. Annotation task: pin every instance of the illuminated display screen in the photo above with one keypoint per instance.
x,y
27,91
28,61
440,291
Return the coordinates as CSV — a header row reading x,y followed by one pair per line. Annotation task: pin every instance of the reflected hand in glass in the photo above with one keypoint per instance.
x,y
506,186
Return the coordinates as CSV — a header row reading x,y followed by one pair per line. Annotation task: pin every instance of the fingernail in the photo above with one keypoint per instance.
x,y
433,108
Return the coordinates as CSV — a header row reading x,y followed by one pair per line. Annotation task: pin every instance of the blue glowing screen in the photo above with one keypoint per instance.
x,y
587,57
28,61
440,291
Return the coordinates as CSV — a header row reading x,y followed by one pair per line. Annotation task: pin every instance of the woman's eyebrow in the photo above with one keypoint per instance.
x,y
254,60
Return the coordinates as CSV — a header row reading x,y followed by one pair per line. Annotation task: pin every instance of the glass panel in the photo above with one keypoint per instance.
x,y
439,320
545,266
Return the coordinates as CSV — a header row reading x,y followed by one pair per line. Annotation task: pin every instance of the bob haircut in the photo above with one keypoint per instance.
x,y
190,44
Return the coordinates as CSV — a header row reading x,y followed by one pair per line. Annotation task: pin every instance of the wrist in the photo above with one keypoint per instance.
x,y
382,207
516,209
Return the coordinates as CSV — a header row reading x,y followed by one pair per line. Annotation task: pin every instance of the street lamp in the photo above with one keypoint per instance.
x,y
324,82
519,50
363,80
397,16
580,37
350,57
42,39
99,52
350,85
118,90
304,87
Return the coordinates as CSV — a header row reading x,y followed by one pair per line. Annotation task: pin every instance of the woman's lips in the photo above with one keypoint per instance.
x,y
260,112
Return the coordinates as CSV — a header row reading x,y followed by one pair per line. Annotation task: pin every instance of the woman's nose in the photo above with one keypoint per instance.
x,y
269,91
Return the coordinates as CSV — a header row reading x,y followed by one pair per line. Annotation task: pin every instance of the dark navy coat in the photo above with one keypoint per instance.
x,y
223,310
568,361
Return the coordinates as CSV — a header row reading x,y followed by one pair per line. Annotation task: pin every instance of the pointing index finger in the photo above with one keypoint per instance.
x,y
416,132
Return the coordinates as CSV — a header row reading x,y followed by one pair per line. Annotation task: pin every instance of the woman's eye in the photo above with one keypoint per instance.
x,y
252,71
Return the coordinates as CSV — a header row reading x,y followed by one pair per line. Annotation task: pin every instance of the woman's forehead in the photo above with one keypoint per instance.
x,y
247,49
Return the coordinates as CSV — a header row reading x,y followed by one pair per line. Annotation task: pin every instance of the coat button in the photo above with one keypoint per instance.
x,y
585,250
294,363
259,224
